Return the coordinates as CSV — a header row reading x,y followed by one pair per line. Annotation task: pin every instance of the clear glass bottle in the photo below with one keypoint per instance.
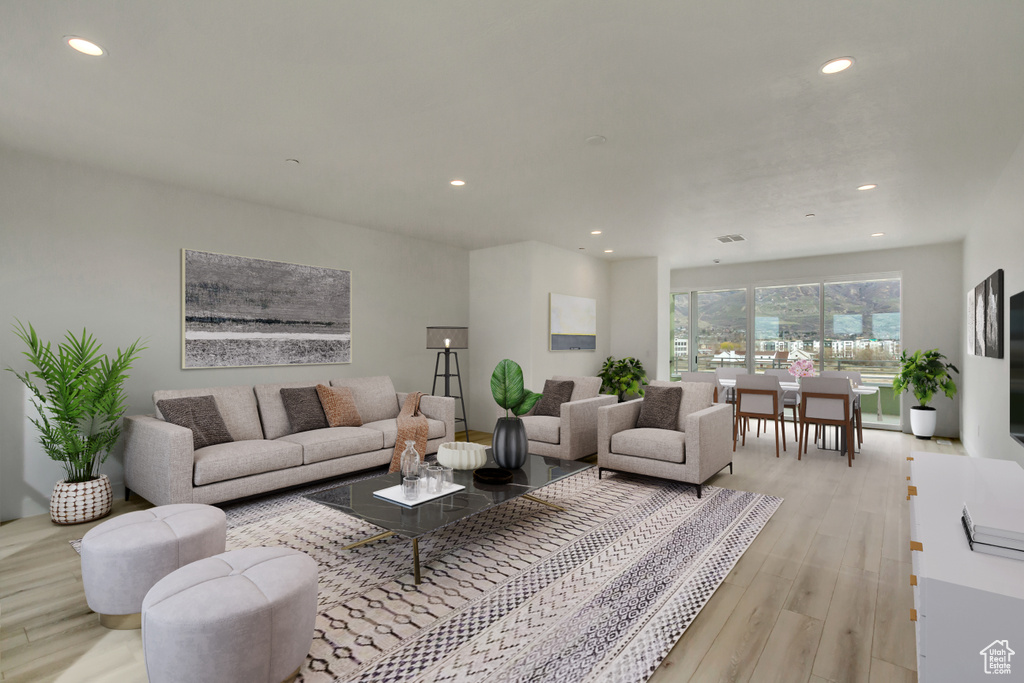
x,y
410,460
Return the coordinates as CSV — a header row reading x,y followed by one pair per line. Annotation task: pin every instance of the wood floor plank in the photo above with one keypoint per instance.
x,y
734,654
812,589
844,652
895,640
884,672
789,653
864,549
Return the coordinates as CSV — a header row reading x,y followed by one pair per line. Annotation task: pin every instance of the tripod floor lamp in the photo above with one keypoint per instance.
x,y
448,339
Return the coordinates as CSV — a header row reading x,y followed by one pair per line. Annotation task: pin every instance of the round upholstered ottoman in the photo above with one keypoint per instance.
x,y
125,556
246,616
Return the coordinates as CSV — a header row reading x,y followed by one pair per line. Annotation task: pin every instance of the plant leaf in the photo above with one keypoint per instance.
x,y
507,384
530,399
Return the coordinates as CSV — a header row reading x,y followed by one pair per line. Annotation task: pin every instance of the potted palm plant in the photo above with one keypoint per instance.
x,y
623,377
79,395
509,443
927,372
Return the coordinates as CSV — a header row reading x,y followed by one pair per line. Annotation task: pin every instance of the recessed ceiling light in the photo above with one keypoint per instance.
x,y
595,232
84,46
458,183
608,251
834,66
294,162
596,140
717,261
809,215
878,234
869,186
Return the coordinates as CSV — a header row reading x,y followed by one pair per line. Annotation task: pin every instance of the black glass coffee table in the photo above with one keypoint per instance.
x,y
412,522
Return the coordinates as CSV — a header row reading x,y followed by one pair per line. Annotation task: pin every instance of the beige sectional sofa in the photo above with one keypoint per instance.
x,y
161,465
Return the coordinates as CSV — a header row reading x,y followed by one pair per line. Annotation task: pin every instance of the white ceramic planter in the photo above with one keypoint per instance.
x,y
81,501
460,455
922,421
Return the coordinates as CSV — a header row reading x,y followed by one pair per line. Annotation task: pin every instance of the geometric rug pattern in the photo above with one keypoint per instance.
x,y
520,592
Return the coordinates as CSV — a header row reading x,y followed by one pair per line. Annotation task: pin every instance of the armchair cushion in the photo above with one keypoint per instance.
x,y
667,445
582,387
554,395
660,408
696,396
542,428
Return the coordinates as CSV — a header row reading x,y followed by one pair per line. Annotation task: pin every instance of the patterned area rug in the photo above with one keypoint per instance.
x,y
521,592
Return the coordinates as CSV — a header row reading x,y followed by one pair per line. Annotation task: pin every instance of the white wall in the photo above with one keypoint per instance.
x,y
82,247
640,313
995,240
931,292
509,316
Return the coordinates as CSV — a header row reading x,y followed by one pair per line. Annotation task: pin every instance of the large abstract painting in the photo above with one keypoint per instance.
x,y
573,323
242,311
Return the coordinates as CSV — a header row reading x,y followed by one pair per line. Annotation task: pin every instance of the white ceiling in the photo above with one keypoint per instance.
x,y
716,117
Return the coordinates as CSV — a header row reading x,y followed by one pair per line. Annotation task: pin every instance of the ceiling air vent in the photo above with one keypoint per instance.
x,y
725,239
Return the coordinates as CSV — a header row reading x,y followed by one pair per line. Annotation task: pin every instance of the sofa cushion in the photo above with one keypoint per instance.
x,y
582,387
659,408
554,395
696,396
542,428
389,428
656,444
241,458
237,405
339,406
303,407
200,414
272,412
335,442
375,396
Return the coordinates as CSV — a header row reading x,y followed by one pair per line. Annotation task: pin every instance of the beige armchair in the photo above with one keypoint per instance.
x,y
572,435
699,447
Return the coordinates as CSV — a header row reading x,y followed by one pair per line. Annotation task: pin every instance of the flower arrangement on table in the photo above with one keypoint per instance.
x,y
802,368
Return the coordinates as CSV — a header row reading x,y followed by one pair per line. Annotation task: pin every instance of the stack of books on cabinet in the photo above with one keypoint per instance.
x,y
994,528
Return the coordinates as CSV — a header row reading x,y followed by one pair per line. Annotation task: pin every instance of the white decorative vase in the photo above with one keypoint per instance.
x,y
922,421
460,455
83,501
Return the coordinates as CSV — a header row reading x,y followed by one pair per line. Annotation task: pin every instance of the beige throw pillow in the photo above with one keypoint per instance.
x,y
339,406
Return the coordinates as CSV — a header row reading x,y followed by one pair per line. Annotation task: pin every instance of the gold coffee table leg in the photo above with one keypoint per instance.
x,y
371,539
416,560
543,502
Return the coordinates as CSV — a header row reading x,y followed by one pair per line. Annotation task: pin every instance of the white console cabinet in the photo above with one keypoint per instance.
x,y
964,601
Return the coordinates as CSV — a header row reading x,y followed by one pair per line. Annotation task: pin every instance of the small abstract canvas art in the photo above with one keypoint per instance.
x,y
573,323
994,315
979,319
242,311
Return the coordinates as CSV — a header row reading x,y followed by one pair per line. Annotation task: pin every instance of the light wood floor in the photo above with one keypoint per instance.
x,y
822,594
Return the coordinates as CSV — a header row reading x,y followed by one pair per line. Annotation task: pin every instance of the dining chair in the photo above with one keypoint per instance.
x,y
828,402
759,397
705,377
853,376
790,398
728,394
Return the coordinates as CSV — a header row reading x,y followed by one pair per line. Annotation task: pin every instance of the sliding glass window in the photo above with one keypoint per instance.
x,y
721,329
862,334
680,334
787,325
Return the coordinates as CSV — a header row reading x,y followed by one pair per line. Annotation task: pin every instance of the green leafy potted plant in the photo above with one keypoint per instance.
x,y
927,372
80,399
509,443
623,377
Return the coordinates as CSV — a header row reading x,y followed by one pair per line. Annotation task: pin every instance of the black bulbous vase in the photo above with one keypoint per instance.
x,y
509,444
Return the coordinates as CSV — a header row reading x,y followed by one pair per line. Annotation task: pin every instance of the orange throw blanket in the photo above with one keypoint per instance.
x,y
412,426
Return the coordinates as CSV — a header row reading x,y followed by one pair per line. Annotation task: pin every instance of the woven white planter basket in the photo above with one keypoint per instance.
x,y
460,455
82,501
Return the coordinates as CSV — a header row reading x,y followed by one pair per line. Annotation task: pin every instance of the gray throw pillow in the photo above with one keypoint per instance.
x,y
660,408
201,415
554,395
305,412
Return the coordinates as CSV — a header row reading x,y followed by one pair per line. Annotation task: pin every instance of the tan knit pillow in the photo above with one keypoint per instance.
x,y
339,406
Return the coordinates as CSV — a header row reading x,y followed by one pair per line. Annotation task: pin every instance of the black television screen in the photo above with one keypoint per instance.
x,y
1017,367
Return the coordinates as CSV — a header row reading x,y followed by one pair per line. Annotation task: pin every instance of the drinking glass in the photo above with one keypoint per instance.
x,y
411,487
434,479
447,478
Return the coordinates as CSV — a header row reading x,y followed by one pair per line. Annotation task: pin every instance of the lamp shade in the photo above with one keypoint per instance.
x,y
447,337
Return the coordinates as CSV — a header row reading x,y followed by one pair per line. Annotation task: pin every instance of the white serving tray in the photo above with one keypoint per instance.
x,y
393,494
